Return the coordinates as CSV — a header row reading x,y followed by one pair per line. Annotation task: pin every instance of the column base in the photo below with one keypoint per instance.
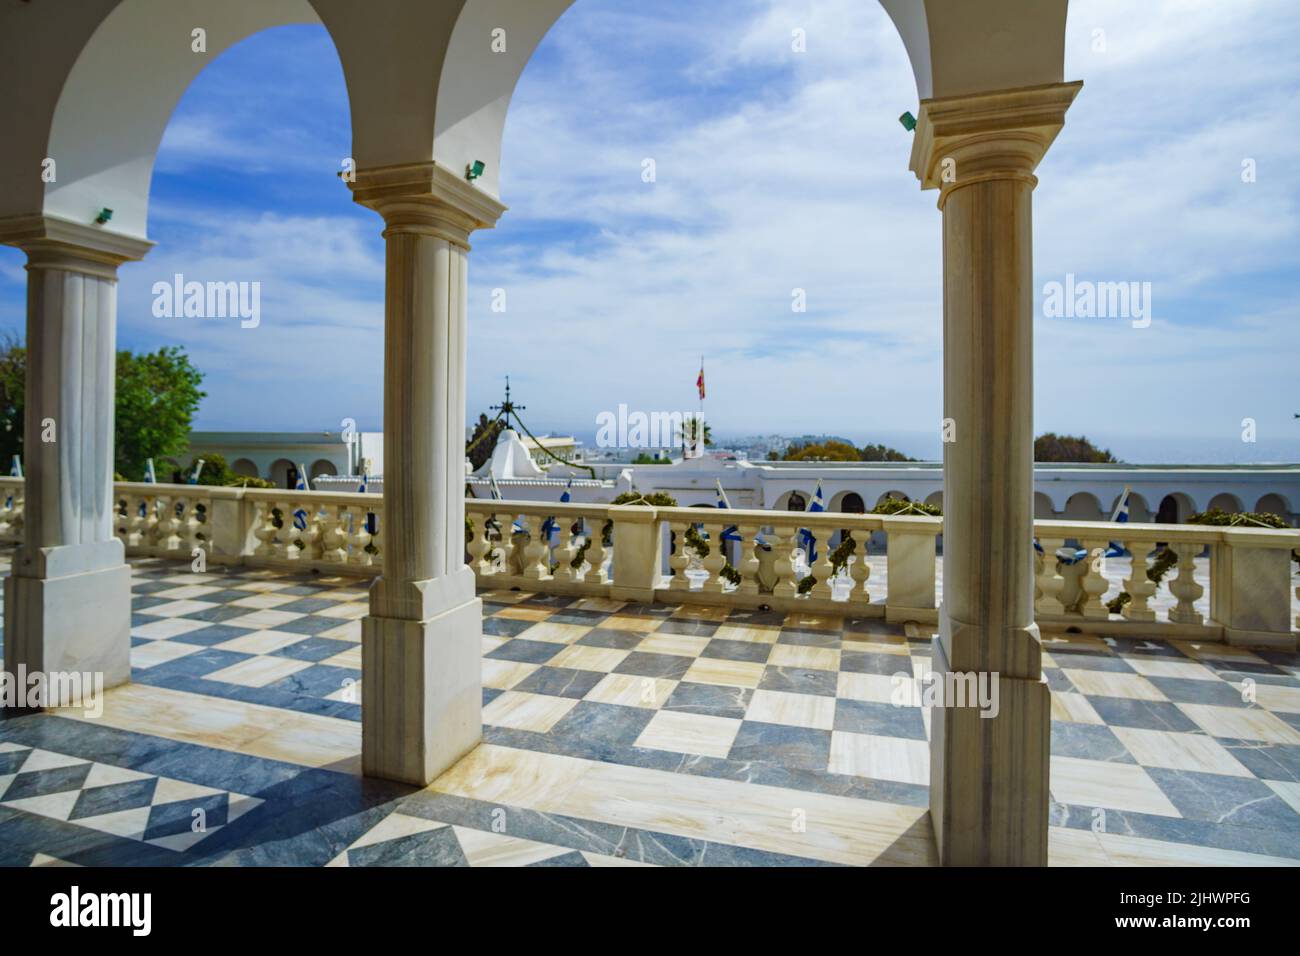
x,y
421,693
989,795
73,623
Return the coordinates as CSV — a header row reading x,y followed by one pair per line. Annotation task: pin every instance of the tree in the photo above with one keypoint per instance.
x,y
13,363
216,472
479,451
832,449
689,426
157,395
1069,449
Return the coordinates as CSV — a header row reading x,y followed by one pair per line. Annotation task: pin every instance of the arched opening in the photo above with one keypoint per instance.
x,y
1225,501
322,466
1083,506
896,495
1174,508
245,467
1043,509
1274,504
852,504
796,502
284,473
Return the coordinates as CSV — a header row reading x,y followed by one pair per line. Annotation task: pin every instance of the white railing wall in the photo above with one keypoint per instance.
x,y
641,553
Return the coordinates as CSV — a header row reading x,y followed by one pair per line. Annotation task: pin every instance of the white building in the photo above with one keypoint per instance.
x,y
276,456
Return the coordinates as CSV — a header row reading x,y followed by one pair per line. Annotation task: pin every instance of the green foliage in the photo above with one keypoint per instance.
x,y
216,473
645,458
1164,562
882,453
901,506
688,431
157,395
1069,448
656,499
832,449
1248,519
483,441
13,365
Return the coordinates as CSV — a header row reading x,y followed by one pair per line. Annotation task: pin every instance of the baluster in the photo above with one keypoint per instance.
x,y
264,529
1184,587
679,560
169,524
782,541
715,561
595,533
361,540
565,551
860,569
749,563
535,553
478,546
506,541
1048,579
1140,588
821,569
1094,583
333,537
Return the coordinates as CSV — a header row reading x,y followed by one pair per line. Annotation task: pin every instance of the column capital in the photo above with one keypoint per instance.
x,y
54,243
426,199
988,136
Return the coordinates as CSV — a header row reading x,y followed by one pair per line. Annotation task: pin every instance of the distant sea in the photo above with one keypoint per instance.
x,y
1134,450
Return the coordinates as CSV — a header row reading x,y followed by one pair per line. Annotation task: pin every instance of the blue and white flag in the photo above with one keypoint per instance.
x,y
149,475
16,467
550,525
729,532
198,470
370,515
300,516
498,496
1115,548
806,538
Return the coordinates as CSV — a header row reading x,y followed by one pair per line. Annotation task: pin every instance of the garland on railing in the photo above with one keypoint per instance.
x,y
839,560
1164,561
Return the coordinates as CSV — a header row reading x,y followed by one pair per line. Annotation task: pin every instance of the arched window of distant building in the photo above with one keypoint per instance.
x,y
797,502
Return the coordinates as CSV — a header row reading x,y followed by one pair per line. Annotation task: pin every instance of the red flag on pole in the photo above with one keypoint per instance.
x,y
699,383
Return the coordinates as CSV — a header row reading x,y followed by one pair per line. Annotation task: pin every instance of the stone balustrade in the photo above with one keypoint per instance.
x,y
737,558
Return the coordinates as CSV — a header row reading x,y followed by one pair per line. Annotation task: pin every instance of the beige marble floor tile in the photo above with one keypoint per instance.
x,y
178,608
836,829
880,758
520,711
683,645
585,658
484,848
1179,751
261,642
728,673
1210,650
631,690
1113,786
393,827
1288,790
168,627
349,658
599,859
626,622
350,612
258,671
701,612
160,652
271,732
797,655
347,631
1066,847
503,675
875,644
490,642
264,620
819,622
753,635
793,710
1108,684
525,613
1170,667
349,693
1124,850
1073,708
1241,723
599,605
185,591
685,733
554,633
1275,697
1059,639
878,688
265,600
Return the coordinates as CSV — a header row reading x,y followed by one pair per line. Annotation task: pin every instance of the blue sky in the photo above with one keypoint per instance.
x,y
775,171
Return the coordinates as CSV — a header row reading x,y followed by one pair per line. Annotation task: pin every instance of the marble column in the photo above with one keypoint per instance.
x,y
68,595
989,774
421,691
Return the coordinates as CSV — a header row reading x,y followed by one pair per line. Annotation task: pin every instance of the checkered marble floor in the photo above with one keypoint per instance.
x,y
621,733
